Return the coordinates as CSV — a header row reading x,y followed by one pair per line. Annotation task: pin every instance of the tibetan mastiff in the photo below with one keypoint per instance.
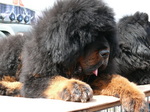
x,y
134,41
68,56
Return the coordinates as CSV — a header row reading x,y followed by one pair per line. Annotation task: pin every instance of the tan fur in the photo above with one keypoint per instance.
x,y
11,88
59,84
11,85
90,60
119,86
9,78
55,86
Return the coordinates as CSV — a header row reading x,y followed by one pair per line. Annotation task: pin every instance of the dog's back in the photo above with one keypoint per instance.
x,y
10,52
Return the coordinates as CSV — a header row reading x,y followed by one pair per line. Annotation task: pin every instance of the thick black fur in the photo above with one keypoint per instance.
x,y
10,50
61,37
134,41
56,42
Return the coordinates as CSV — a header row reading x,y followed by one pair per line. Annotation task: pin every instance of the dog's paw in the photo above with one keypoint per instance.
x,y
134,102
76,91
69,90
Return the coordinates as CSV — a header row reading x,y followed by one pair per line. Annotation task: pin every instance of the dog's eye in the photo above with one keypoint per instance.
x,y
104,53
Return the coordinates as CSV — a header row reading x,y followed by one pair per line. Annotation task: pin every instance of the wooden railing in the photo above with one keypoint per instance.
x,y
111,104
98,103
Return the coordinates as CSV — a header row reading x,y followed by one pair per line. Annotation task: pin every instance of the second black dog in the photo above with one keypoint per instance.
x,y
134,41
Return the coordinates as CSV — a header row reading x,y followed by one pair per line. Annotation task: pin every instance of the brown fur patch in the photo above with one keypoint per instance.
x,y
54,86
90,60
130,95
93,59
9,78
36,75
115,84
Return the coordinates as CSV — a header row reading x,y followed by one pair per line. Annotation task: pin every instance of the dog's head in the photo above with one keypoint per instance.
x,y
95,56
134,35
81,34
134,42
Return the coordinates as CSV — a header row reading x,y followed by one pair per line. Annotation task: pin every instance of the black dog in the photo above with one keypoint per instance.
x,y
134,40
68,56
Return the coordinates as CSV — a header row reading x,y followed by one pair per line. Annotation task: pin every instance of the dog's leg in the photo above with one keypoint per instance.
x,y
130,96
68,89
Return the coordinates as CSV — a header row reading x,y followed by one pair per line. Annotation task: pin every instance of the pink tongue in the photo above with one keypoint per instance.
x,y
96,72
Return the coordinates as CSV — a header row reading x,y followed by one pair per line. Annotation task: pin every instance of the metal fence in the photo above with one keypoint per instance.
x,y
120,109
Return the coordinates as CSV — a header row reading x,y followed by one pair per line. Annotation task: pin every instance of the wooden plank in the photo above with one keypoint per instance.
x,y
145,89
112,102
9,104
99,102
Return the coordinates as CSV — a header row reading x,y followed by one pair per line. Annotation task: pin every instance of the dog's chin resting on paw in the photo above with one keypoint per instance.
x,y
68,55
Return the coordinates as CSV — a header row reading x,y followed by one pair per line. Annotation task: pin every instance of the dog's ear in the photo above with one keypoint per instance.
x,y
55,43
141,17
61,46
144,16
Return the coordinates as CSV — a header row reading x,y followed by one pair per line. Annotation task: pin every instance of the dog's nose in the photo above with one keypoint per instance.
x,y
104,53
